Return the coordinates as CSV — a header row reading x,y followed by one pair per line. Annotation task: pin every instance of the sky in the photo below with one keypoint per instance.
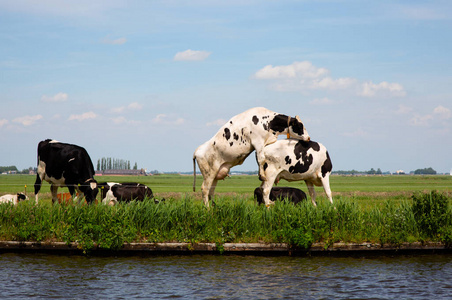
x,y
150,81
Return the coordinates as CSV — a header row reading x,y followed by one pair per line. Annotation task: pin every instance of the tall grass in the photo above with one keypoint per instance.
x,y
427,217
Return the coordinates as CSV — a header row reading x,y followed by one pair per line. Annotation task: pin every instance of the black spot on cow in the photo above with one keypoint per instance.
x,y
236,136
327,165
230,122
265,166
301,152
231,143
255,120
227,133
279,123
288,160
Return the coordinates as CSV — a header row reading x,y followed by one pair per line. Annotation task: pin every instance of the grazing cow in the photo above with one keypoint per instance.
x,y
112,192
294,195
68,165
14,199
231,145
295,160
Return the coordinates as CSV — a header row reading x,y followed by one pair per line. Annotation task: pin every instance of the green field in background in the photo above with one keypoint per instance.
x,y
356,187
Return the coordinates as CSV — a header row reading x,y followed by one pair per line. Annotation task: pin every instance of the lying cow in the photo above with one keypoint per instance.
x,y
295,160
14,199
68,165
112,192
231,145
293,195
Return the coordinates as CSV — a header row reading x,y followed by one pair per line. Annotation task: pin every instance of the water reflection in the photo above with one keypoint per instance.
x,y
231,277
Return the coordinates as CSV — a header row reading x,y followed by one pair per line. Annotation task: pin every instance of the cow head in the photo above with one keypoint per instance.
x,y
297,130
21,196
89,189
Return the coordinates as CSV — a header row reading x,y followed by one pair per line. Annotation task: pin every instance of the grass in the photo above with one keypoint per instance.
x,y
388,209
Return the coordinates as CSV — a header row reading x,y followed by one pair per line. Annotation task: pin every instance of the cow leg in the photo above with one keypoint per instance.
x,y
311,190
206,189
54,190
326,187
212,191
38,183
267,187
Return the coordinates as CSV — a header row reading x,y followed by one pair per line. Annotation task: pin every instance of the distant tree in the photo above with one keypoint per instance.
x,y
135,167
109,163
426,171
8,168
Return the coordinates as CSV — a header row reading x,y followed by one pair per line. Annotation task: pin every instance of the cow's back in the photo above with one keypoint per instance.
x,y
61,158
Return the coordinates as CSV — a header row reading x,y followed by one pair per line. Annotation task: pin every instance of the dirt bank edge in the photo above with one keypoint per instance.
x,y
230,248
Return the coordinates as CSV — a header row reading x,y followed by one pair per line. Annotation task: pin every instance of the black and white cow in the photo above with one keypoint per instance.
x,y
295,160
231,145
68,165
293,195
14,199
112,192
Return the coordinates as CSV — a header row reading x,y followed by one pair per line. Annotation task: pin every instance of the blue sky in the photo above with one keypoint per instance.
x,y
149,81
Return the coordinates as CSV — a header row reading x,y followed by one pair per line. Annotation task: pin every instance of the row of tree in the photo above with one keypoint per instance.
x,y
109,163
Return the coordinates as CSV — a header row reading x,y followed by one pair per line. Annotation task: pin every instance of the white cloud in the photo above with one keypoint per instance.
x,y
131,106
3,122
60,97
163,119
421,120
218,122
370,89
27,120
304,76
442,112
191,55
109,41
440,115
303,69
82,117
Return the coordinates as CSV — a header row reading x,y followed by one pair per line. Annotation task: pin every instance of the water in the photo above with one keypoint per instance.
x,y
231,277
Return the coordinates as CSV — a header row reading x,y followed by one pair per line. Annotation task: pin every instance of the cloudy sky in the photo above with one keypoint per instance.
x,y
149,81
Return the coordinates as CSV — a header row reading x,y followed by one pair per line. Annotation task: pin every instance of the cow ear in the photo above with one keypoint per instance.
x,y
298,118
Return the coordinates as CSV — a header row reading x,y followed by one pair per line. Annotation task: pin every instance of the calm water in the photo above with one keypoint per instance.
x,y
231,277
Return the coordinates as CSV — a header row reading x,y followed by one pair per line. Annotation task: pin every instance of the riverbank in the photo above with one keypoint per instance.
x,y
229,248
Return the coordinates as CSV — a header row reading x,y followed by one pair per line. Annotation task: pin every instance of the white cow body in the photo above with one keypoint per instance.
x,y
295,160
14,199
231,145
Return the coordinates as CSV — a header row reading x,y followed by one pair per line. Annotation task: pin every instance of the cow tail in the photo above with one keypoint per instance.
x,y
194,173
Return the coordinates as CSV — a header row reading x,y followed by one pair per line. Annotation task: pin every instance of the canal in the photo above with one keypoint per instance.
x,y
225,277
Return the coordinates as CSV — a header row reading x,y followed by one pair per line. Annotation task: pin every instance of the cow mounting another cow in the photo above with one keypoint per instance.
x,y
230,146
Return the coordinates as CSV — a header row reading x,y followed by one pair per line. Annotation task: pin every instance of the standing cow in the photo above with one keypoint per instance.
x,y
112,192
248,131
68,165
295,160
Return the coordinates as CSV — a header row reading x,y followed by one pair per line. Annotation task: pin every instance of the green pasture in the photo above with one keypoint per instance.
x,y
377,209
365,189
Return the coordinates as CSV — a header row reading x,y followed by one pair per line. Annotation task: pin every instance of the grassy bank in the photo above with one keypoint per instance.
x,y
427,217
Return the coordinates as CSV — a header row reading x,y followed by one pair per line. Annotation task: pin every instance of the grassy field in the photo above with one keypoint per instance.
x,y
363,189
389,209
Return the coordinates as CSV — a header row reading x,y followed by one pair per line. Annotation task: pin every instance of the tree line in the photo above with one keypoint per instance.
x,y
109,163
